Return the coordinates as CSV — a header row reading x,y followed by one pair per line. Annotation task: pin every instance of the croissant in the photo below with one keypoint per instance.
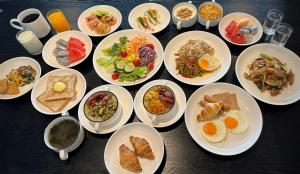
x,y
129,160
141,147
210,111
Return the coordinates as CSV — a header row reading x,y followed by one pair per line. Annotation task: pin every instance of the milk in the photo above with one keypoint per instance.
x,y
30,42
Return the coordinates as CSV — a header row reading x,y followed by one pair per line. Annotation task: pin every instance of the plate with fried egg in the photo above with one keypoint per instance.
x,y
197,58
223,119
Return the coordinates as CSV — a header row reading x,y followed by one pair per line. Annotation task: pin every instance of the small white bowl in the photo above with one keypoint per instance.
x,y
15,63
82,25
236,16
288,95
121,136
63,153
184,23
139,10
47,52
209,23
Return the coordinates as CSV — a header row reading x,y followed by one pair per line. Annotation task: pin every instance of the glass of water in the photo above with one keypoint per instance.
x,y
274,17
282,34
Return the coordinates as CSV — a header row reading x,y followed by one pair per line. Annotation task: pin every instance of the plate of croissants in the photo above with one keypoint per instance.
x,y
134,148
223,119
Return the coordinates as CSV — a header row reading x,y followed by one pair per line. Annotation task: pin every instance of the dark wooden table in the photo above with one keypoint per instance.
x,y
22,149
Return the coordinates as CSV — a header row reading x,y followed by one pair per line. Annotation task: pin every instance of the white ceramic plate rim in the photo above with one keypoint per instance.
x,y
152,32
199,82
116,126
259,27
87,52
123,33
121,129
38,75
181,96
248,89
226,152
90,33
33,96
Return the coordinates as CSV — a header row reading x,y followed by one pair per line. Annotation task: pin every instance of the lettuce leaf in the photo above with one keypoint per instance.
x,y
105,61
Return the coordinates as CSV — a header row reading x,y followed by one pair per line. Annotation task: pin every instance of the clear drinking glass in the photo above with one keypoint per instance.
x,y
282,34
58,20
274,17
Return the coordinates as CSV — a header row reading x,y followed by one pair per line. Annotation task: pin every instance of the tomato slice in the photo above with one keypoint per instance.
x,y
115,76
150,66
137,62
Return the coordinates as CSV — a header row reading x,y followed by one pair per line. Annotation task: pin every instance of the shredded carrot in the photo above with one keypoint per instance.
x,y
136,43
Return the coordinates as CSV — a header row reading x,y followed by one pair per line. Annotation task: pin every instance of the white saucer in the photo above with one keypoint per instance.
x,y
179,105
121,136
41,85
15,63
125,100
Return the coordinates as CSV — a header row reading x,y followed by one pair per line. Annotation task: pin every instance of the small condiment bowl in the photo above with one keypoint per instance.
x,y
184,23
206,22
99,125
155,118
63,153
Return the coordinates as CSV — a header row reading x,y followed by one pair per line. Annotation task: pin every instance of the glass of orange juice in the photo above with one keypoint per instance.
x,y
58,20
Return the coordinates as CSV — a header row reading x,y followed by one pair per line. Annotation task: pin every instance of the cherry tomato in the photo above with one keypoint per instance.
x,y
123,53
115,76
150,66
150,45
137,62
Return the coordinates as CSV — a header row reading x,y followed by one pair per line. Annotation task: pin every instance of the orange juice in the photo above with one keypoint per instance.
x,y
58,21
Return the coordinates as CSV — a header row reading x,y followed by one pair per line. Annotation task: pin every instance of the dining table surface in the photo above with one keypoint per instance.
x,y
22,147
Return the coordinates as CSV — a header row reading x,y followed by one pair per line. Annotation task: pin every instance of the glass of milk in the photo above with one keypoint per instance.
x,y
30,42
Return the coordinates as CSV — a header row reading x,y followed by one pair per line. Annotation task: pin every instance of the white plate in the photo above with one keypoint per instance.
x,y
233,144
139,10
125,100
82,25
121,136
289,94
113,38
48,48
41,85
222,52
15,63
236,16
179,106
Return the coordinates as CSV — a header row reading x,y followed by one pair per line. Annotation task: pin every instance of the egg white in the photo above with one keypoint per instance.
x,y
213,62
220,134
242,121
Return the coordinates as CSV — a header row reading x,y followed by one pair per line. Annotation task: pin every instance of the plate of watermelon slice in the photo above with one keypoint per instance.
x,y
240,29
67,49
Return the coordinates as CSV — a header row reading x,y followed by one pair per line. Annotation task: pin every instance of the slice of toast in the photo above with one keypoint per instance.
x,y
3,86
69,93
54,106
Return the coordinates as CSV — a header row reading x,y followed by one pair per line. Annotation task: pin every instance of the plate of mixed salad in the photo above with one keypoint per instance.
x,y
128,57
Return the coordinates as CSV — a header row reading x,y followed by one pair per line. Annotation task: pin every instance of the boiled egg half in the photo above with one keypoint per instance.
x,y
235,121
213,131
209,63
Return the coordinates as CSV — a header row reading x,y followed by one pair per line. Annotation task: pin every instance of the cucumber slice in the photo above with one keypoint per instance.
x,y
129,67
120,64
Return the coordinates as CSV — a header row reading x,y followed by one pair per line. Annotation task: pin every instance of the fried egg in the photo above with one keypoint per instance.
x,y
213,131
209,63
235,121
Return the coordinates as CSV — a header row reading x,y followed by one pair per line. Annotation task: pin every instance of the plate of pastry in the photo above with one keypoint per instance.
x,y
67,49
134,148
58,91
99,20
18,76
149,17
197,58
270,73
105,109
223,119
160,103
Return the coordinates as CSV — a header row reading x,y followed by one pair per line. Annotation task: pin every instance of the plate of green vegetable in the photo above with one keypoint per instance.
x,y
128,57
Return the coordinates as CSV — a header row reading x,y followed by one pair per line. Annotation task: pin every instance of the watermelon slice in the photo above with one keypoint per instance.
x,y
75,54
74,44
230,27
76,40
234,34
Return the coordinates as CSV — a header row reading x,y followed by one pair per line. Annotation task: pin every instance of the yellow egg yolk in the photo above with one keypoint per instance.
x,y
231,122
203,63
210,128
